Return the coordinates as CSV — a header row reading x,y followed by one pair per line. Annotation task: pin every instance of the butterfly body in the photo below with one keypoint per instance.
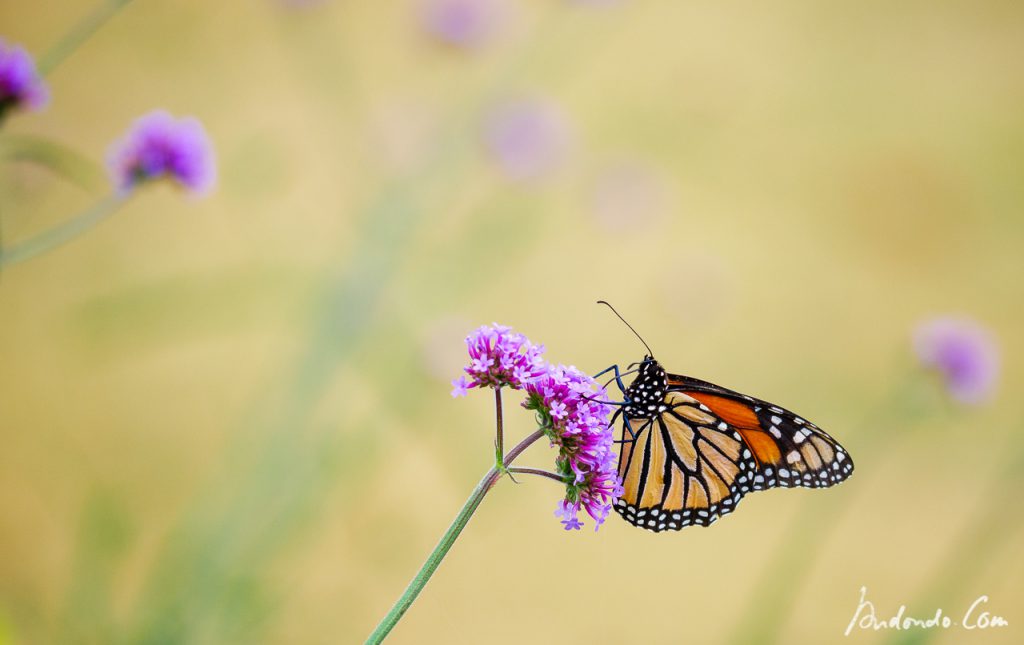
x,y
691,450
645,395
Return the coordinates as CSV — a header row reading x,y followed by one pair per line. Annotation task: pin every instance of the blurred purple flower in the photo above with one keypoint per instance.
x,y
577,424
20,83
462,23
527,138
500,358
158,145
963,352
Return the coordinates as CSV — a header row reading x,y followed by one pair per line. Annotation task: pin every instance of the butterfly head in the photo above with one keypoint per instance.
x,y
646,394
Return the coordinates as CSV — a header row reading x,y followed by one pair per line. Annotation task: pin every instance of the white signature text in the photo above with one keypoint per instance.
x,y
866,617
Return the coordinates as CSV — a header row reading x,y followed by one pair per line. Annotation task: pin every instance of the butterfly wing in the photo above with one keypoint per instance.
x,y
790,451
686,465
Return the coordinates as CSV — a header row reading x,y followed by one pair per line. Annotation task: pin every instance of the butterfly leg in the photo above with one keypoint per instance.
x,y
609,381
615,403
626,400
617,378
627,425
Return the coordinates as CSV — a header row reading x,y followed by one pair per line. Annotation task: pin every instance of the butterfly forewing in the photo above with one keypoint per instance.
x,y
790,451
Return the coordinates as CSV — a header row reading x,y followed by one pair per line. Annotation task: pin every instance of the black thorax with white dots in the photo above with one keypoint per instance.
x,y
646,394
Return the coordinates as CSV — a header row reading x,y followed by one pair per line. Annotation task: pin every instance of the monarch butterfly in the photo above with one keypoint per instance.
x,y
691,449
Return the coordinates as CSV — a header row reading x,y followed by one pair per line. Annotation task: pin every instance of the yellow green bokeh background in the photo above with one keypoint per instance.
x,y
228,419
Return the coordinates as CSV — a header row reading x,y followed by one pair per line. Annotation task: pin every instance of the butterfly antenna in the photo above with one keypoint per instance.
x,y
605,303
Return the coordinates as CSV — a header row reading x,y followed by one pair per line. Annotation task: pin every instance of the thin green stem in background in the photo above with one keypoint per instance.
x,y
988,530
78,34
63,233
246,516
771,603
60,159
447,540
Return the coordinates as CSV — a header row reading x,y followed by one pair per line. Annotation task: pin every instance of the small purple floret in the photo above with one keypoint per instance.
x,y
568,512
460,387
963,352
20,83
158,145
577,424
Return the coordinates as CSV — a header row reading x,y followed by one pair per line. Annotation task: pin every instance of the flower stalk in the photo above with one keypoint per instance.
x,y
537,471
447,540
567,414
499,433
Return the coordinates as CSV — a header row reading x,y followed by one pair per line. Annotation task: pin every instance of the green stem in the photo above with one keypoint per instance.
x,y
537,471
499,436
62,160
78,34
63,233
769,605
989,529
447,540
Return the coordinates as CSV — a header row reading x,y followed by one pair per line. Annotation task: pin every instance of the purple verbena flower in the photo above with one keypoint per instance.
x,y
158,145
20,83
569,514
571,410
461,23
557,410
963,352
527,138
500,358
460,387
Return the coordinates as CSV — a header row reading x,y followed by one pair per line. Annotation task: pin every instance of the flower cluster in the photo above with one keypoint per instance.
x,y
500,358
570,408
20,84
158,145
571,412
963,352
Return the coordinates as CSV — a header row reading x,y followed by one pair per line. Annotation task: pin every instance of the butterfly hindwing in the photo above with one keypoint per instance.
x,y
685,465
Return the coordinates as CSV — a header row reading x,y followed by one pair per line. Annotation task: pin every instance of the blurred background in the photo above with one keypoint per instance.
x,y
228,420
